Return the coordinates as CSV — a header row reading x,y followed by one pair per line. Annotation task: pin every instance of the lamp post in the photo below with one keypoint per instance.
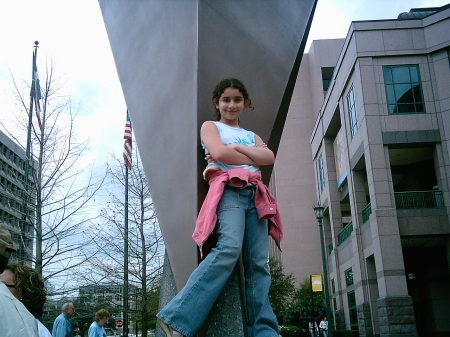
x,y
318,209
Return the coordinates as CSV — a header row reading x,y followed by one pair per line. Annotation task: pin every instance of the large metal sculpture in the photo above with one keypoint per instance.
x,y
169,56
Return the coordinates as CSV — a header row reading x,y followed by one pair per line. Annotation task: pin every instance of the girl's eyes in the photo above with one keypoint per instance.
x,y
227,100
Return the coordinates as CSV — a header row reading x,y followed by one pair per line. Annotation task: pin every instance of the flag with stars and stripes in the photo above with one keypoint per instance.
x,y
128,143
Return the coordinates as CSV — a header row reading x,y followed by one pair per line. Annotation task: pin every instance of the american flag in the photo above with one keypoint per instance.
x,y
127,146
35,92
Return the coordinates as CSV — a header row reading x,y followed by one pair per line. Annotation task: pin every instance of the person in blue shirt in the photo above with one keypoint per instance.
x,y
96,329
62,326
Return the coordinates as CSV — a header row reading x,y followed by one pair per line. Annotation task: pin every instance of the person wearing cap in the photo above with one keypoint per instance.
x,y
18,321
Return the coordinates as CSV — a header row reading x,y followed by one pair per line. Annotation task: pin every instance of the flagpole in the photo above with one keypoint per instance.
x,y
127,156
28,150
125,260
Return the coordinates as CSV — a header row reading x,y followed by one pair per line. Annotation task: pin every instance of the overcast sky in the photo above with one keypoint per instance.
x,y
72,34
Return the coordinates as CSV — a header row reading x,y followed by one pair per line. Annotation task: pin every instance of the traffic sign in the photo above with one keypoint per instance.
x,y
119,323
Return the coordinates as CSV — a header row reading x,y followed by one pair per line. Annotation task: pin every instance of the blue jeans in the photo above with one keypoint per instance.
x,y
238,229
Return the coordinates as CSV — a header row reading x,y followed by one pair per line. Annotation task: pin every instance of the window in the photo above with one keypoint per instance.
x,y
327,74
321,172
333,287
349,277
352,111
352,310
403,89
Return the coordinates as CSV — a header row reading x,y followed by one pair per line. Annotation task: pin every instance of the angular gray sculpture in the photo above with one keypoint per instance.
x,y
169,56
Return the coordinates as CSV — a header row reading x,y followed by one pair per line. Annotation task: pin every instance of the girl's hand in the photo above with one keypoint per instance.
x,y
261,145
209,158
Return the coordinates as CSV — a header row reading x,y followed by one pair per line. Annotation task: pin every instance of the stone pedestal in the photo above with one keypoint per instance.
x,y
339,319
226,317
396,317
364,320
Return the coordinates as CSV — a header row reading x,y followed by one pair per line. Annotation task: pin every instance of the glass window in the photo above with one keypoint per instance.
x,y
321,172
349,277
403,89
352,310
333,287
327,74
351,104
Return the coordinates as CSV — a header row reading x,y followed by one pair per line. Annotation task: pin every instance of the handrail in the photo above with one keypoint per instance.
x,y
419,199
345,233
366,212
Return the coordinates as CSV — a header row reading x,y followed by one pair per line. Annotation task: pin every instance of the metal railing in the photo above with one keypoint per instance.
x,y
419,199
366,212
345,233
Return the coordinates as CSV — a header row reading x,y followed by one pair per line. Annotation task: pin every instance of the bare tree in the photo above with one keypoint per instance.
x,y
145,245
59,191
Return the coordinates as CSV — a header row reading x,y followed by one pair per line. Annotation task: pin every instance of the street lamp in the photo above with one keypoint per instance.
x,y
318,209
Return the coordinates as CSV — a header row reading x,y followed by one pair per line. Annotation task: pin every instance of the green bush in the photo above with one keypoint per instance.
x,y
293,331
346,333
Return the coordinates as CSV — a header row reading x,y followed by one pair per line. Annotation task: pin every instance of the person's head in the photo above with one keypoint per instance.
x,y
324,319
6,246
68,309
101,316
27,286
229,83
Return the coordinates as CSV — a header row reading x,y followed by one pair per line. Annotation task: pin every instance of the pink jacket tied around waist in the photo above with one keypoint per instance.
x,y
265,203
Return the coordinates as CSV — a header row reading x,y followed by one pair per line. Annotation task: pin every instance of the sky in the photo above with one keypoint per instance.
x,y
72,35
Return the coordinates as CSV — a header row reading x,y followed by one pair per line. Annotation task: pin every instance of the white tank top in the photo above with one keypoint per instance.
x,y
234,135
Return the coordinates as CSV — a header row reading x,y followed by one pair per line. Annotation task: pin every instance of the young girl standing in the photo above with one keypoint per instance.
x,y
240,211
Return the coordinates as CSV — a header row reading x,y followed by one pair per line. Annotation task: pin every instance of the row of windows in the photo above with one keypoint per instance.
x,y
101,290
15,222
9,218
16,206
12,156
12,203
10,172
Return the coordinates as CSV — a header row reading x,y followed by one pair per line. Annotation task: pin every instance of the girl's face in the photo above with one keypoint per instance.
x,y
231,104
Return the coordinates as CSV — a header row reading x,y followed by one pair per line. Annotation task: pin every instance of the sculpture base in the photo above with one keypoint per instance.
x,y
225,318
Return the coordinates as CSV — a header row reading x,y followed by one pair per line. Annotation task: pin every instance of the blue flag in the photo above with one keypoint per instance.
x,y
35,92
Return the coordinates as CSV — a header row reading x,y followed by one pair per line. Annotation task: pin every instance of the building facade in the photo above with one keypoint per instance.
x,y
378,105
15,213
110,294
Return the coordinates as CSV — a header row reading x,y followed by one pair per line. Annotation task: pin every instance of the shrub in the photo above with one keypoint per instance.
x,y
293,331
346,333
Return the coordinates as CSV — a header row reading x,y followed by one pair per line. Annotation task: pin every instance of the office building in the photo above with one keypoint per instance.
x,y
368,135
12,205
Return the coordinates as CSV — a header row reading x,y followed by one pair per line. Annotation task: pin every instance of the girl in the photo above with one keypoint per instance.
x,y
235,210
